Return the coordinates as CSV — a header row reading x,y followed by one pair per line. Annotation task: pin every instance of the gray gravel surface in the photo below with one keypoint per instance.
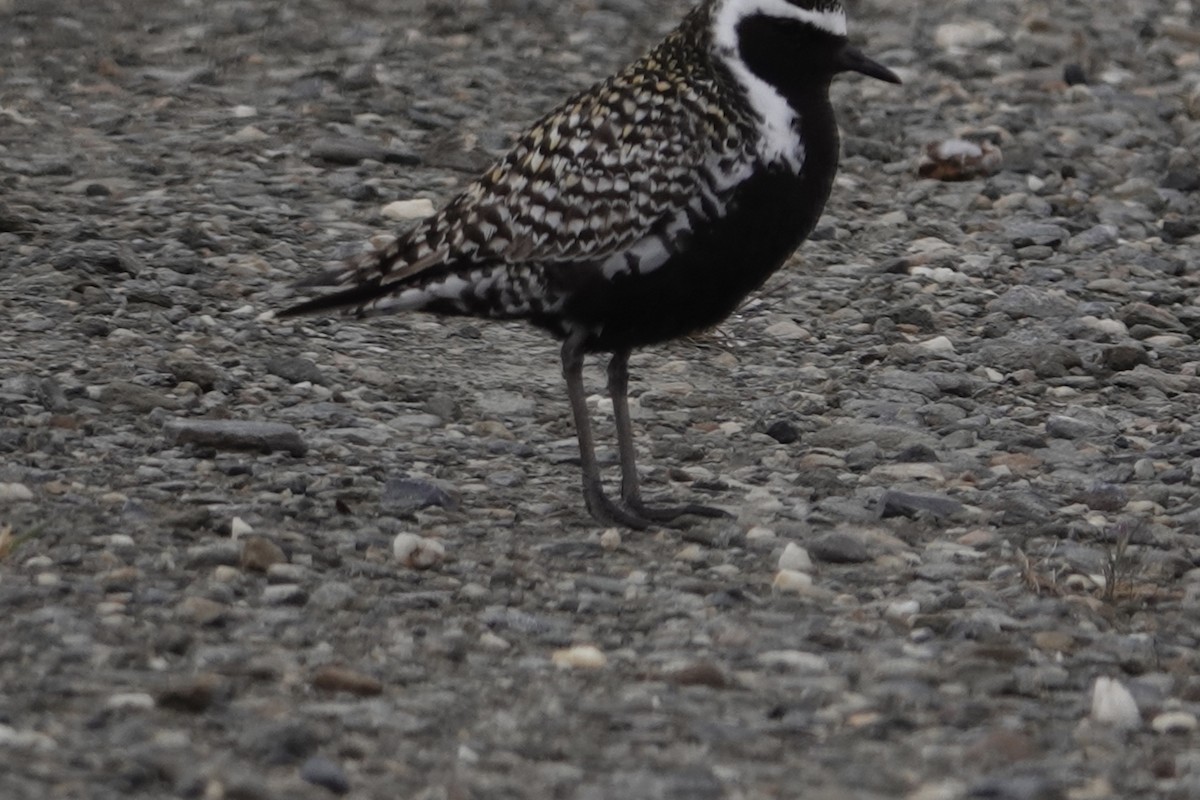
x,y
961,432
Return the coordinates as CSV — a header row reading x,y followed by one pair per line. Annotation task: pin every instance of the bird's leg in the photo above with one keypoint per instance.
x,y
631,493
602,509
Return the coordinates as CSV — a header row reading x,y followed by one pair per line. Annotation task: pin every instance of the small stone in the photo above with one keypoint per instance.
x,y
239,528
341,679
795,557
699,673
783,432
494,643
284,594
581,656
1021,301
1112,704
938,344
259,553
957,37
838,548
1174,722
794,660
192,695
403,496
1054,641
407,209
137,701
202,610
333,596
417,552
1122,357
1061,426
760,534
17,739
227,434
611,539
959,160
296,369
320,771
787,330
897,503
902,609
15,493
790,581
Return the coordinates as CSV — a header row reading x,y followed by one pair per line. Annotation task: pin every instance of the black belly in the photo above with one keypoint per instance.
x,y
772,213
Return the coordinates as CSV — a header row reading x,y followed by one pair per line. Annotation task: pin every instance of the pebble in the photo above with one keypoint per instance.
x,y
15,493
403,495
417,552
259,553
320,771
342,679
794,661
226,434
1174,722
1112,704
839,548
193,695
792,581
795,557
407,209
289,594
583,656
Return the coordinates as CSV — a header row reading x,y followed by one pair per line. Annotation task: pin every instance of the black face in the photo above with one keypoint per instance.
x,y
799,59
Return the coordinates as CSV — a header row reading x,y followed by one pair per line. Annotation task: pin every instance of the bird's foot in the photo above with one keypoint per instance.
x,y
671,513
633,512
606,512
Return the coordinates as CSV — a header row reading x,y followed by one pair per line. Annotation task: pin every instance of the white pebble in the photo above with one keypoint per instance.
x,y
121,541
787,330
795,557
133,700
790,581
959,36
581,656
25,740
407,209
901,609
611,539
1112,704
14,493
1174,722
224,573
490,641
238,528
759,533
417,552
938,344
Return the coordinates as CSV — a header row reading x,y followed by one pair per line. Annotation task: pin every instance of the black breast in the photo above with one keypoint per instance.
x,y
768,217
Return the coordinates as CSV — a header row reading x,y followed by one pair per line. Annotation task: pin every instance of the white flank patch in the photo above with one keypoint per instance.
x,y
777,135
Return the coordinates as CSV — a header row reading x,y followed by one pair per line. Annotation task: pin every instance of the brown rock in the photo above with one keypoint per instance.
x,y
259,553
342,679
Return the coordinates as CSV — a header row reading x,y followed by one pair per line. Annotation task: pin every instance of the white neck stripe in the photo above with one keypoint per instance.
x,y
778,139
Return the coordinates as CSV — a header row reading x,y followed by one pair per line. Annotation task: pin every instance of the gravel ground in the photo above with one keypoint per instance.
x,y
960,432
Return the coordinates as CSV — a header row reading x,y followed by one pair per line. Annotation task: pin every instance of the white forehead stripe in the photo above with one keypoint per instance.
x,y
731,12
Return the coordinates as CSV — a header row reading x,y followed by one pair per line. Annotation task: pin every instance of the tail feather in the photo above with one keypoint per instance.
x,y
367,278
354,297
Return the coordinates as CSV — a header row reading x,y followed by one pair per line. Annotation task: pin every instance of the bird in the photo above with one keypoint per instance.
x,y
643,209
